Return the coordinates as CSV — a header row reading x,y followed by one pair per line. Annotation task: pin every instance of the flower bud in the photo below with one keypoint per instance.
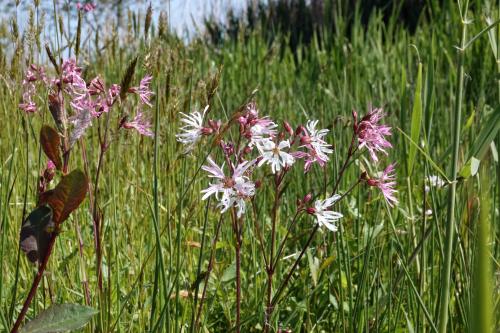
x,y
247,150
206,131
305,140
307,198
288,128
372,182
311,210
242,120
299,130
355,121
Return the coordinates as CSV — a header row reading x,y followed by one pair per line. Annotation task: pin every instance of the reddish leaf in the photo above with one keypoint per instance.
x,y
50,140
67,195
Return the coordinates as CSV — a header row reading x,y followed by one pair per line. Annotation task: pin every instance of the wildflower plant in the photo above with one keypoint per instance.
x,y
252,154
75,104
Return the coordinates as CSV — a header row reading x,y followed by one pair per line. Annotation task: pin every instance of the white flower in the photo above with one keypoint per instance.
x,y
316,135
192,130
274,155
316,143
260,128
234,189
436,181
324,215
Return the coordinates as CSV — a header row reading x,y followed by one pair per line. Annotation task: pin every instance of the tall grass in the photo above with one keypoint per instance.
x,y
383,270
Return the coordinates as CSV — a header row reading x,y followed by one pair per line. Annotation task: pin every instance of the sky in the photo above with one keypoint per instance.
x,y
185,16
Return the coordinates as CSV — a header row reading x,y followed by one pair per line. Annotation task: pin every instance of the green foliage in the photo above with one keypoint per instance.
x,y
157,234
60,318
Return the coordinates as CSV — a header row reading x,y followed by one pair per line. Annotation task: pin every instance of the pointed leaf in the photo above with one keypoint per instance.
x,y
50,141
486,135
416,119
60,318
67,195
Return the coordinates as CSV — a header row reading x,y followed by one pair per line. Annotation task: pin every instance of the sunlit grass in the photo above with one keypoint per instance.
x,y
380,272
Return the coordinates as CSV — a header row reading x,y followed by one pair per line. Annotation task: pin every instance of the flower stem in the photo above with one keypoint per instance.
x,y
450,223
209,269
34,285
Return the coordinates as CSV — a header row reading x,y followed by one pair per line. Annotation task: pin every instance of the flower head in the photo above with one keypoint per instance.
x,y
323,213
274,154
317,148
386,184
87,7
193,129
33,74
143,90
230,191
255,128
140,123
372,135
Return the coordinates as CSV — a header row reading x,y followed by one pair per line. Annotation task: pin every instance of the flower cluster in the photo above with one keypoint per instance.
x,y
86,7
33,75
260,143
371,134
87,100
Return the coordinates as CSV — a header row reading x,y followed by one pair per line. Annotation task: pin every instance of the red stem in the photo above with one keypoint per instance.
x,y
34,286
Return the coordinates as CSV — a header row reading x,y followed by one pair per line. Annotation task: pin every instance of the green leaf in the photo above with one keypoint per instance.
x,y
50,141
67,195
486,135
429,159
416,119
470,168
229,274
60,318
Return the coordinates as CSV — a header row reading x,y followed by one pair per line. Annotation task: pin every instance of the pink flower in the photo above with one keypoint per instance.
x,y
141,124
33,74
386,184
143,90
50,165
235,189
88,7
371,134
28,107
317,148
255,128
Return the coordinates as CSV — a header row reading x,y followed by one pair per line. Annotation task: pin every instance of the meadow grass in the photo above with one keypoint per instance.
x,y
383,271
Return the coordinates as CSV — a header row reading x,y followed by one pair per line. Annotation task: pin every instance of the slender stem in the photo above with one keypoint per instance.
x,y
259,233
450,223
316,227
238,284
34,286
292,270
237,234
209,269
282,244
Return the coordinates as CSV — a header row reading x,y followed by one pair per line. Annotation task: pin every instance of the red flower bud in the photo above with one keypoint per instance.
x,y
288,128
307,197
206,131
311,210
305,140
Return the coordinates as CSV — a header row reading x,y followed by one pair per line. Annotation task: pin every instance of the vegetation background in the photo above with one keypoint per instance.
x,y
381,272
